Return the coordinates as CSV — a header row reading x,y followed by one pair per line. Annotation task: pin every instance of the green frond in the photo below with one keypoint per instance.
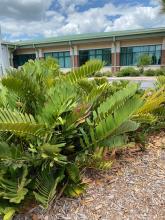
x,y
103,165
115,101
28,89
12,156
12,83
52,152
86,85
73,173
7,211
14,189
88,69
111,123
97,92
74,190
46,186
100,80
152,102
115,142
20,124
144,118
61,100
126,127
160,82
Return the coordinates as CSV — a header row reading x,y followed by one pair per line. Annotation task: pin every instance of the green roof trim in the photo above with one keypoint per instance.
x,y
92,36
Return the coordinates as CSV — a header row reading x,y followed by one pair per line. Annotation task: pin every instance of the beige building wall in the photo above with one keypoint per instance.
x,y
139,42
98,44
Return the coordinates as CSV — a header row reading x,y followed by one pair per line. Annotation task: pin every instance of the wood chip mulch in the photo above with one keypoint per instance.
x,y
134,189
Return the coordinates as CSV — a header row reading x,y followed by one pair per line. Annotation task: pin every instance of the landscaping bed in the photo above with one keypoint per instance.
x,y
132,189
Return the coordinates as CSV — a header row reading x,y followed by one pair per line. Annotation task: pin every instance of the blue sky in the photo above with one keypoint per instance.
x,y
29,19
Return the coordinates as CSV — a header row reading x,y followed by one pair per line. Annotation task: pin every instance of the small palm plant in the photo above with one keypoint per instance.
x,y
51,124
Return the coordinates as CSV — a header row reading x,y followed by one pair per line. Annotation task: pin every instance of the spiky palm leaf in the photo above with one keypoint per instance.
x,y
46,186
14,189
96,92
62,99
152,102
160,82
111,123
19,123
6,210
115,101
88,69
86,85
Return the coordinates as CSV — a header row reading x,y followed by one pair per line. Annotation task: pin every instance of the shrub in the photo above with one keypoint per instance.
x,y
98,74
52,124
104,74
108,74
149,72
160,72
156,72
128,71
144,60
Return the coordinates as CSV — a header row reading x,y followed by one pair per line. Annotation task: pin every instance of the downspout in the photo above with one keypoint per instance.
x,y
71,46
13,52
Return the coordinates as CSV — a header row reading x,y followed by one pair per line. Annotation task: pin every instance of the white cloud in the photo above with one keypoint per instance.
x,y
24,18
142,17
27,10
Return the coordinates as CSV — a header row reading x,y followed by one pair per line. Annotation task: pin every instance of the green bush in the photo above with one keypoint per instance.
x,y
143,61
98,74
160,72
108,74
104,74
149,72
51,125
156,72
128,71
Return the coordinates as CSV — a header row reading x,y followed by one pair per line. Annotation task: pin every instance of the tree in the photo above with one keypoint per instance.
x,y
163,6
144,60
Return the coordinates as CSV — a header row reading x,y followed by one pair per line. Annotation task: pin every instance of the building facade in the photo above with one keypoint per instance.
x,y
117,49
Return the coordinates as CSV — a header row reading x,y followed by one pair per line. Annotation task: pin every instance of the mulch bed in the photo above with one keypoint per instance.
x,y
133,189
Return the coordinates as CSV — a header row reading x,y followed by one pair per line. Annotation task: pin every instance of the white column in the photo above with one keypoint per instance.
x,y
163,44
76,50
118,47
40,54
113,49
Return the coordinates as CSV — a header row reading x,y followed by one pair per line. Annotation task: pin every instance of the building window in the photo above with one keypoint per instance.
x,y
100,54
21,59
63,58
129,56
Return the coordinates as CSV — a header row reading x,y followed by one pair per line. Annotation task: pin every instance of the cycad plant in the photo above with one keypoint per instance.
x,y
51,123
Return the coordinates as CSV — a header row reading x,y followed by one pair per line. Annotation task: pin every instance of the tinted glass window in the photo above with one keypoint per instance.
x,y
130,55
63,58
100,54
